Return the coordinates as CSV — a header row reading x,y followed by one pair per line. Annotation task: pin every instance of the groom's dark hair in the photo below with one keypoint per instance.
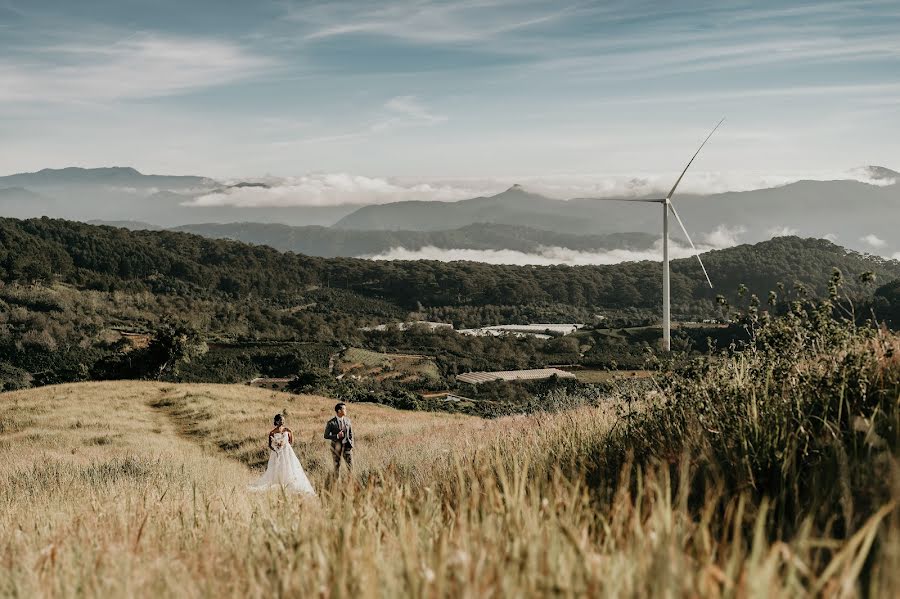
x,y
339,406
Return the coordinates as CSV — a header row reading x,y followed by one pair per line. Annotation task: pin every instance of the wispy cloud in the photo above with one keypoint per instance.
x,y
423,21
405,111
859,90
411,109
399,112
530,87
782,231
142,65
669,41
787,48
873,241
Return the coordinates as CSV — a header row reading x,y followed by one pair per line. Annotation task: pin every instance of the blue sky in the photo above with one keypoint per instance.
x,y
468,89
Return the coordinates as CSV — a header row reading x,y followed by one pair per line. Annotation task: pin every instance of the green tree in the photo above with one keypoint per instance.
x,y
173,344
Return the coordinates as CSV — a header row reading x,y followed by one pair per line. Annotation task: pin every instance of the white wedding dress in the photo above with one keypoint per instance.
x,y
284,470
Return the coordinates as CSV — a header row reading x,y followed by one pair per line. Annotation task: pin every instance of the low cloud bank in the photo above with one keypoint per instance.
x,y
720,238
333,189
329,189
547,256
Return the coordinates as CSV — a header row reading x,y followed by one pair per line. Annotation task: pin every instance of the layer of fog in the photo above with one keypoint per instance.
x,y
545,256
720,238
327,189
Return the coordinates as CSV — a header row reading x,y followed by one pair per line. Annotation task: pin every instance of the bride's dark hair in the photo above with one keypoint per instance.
x,y
278,420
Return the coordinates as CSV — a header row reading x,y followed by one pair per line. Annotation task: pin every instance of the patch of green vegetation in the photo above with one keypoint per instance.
x,y
66,297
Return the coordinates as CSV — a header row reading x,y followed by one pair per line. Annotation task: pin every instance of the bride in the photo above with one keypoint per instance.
x,y
284,470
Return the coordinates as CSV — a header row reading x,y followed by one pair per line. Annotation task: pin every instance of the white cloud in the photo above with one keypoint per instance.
x,y
328,189
555,255
411,108
724,236
424,21
832,237
317,189
873,240
398,112
546,256
783,231
139,66
406,111
896,256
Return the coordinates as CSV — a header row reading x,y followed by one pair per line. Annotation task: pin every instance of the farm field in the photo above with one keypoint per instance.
x,y
366,364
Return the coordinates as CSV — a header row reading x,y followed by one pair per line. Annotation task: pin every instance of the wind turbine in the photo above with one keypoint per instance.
x,y
668,206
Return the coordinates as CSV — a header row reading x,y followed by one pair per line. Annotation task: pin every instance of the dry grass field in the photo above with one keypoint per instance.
x,y
125,489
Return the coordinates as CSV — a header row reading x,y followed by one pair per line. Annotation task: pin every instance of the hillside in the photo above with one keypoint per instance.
x,y
515,206
106,257
108,447
887,303
85,302
333,242
133,225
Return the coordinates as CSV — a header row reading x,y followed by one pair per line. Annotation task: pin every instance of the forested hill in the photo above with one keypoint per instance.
x,y
107,258
333,242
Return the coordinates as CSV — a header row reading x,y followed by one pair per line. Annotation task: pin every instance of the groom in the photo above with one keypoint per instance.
x,y
339,431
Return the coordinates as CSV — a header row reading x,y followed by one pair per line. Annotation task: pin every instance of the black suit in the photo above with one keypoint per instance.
x,y
341,445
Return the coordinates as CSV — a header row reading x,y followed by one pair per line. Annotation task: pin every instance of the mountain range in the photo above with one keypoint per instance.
x,y
330,242
858,215
124,194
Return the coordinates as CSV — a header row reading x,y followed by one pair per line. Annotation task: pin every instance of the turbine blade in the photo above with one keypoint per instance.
x,y
696,254
669,197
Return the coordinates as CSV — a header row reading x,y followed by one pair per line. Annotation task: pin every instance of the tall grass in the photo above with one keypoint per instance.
x,y
751,474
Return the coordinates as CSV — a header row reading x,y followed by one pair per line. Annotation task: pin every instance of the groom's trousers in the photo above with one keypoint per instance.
x,y
339,450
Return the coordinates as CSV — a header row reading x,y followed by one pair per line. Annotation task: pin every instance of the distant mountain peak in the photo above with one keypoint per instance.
x,y
516,187
880,173
118,170
103,176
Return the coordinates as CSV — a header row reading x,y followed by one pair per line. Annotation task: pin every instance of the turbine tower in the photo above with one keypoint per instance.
x,y
668,206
